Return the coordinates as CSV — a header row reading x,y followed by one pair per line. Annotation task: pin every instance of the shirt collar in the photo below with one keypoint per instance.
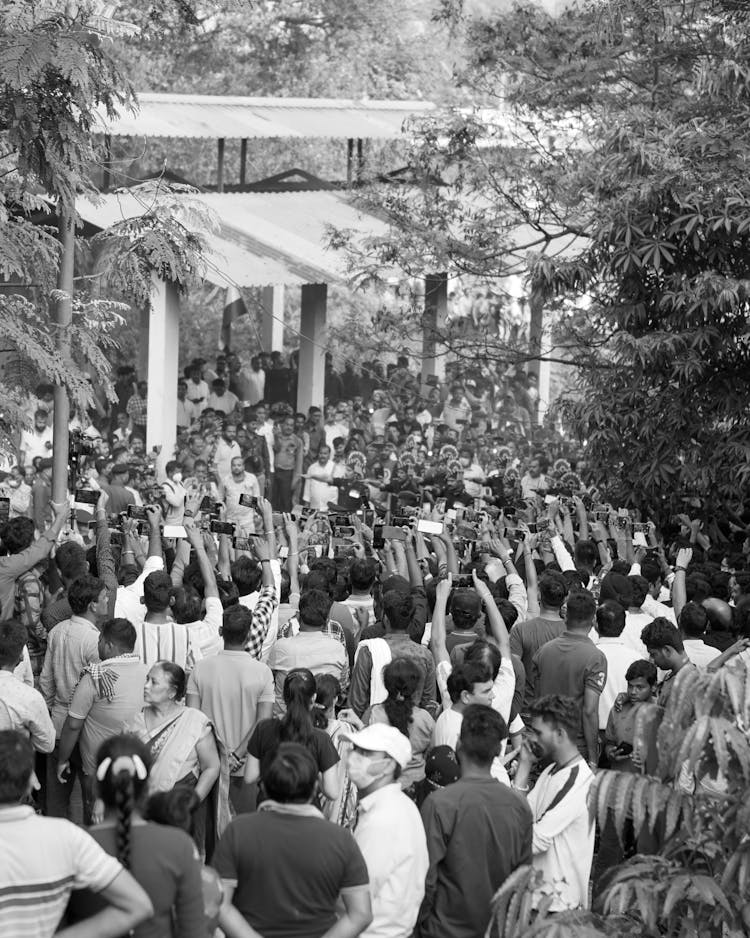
x,y
381,794
15,812
604,640
81,620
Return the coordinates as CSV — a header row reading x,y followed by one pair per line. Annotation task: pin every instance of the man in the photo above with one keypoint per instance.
x,y
334,427
469,685
72,646
220,399
197,388
227,449
266,430
362,575
693,621
563,836
389,830
43,859
310,647
478,833
35,442
41,495
174,492
107,698
293,889
610,623
233,487
137,407
159,637
187,412
256,382
120,493
288,454
572,666
667,651
23,553
526,638
534,479
456,410
21,706
235,692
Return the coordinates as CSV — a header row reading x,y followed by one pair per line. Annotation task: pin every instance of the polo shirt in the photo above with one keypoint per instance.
x,y
567,666
526,638
478,833
291,889
390,834
312,650
35,884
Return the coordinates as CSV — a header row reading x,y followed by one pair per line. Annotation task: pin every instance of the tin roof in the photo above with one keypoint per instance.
x,y
215,116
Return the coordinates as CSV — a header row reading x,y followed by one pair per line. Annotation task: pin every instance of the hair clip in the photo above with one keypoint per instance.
x,y
133,765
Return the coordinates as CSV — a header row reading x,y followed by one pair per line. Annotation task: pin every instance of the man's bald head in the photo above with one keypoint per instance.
x,y
719,614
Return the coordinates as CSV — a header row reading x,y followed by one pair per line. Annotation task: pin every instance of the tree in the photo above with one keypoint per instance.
x,y
606,154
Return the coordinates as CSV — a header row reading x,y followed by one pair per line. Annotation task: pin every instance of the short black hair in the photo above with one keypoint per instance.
x,y
236,623
693,620
12,642
482,733
314,607
120,632
362,574
610,619
398,607
17,534
661,633
639,586
16,766
642,668
465,676
157,591
291,774
247,574
580,608
552,589
561,713
84,591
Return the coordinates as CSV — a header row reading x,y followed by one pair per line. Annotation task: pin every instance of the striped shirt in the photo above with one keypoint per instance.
x,y
71,646
166,641
35,884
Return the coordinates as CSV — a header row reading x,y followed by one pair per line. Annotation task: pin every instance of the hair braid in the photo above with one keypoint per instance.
x,y
124,803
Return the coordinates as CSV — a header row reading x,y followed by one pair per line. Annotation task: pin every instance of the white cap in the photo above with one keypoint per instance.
x,y
380,737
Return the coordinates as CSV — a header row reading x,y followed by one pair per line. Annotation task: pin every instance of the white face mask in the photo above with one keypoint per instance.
x,y
177,477
362,770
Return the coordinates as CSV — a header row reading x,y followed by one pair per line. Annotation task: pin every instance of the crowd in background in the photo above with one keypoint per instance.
x,y
395,637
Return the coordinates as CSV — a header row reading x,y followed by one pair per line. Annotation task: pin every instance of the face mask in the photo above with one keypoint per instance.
x,y
177,477
362,770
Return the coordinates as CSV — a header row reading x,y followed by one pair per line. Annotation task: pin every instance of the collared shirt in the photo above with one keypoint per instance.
x,y
71,646
166,641
391,836
27,711
313,650
619,658
263,605
526,638
128,605
205,632
699,652
36,883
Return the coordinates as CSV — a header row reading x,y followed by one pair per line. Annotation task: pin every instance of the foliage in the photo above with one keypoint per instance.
x,y
607,155
693,806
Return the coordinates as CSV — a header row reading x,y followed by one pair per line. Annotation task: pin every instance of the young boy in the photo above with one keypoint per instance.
x,y
618,736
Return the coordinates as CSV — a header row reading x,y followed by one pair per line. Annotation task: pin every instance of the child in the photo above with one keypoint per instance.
x,y
618,736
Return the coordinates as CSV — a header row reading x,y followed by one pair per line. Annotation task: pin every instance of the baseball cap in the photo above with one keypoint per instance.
x,y
441,766
379,737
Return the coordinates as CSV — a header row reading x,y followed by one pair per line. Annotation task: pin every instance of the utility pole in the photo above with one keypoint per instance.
x,y
63,317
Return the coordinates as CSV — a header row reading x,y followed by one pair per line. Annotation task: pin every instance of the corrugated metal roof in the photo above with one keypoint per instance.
x,y
214,116
262,239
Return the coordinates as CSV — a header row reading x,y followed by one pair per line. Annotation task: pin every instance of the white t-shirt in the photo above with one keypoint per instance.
x,y
35,444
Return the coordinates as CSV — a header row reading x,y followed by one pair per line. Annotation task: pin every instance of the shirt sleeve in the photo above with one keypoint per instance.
x,y
94,869
569,804
516,643
255,743
83,698
225,857
40,726
327,755
561,554
359,690
595,675
262,614
355,868
517,595
267,694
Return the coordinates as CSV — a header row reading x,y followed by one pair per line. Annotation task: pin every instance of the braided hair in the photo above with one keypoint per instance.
x,y
122,773
401,678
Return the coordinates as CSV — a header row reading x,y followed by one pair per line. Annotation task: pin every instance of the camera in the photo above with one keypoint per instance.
x,y
221,527
400,521
463,582
338,520
138,512
243,543
87,496
249,501
343,530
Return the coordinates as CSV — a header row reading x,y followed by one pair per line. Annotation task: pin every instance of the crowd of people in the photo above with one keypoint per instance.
x,y
329,674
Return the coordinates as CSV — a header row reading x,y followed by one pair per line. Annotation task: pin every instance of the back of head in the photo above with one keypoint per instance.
x,y
84,591
742,617
651,570
120,633
174,808
327,567
157,591
482,733
299,694
16,766
398,607
693,620
697,588
508,611
661,633
552,589
327,695
123,764
12,642
617,587
318,580
401,678
466,607
70,559
235,625
638,589
720,583
362,574
719,614
314,608
586,554
291,774
561,713
484,653
610,619
247,574
17,534
186,606
580,610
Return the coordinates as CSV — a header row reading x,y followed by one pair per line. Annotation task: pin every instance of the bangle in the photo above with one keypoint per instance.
x,y
521,788
265,560
677,569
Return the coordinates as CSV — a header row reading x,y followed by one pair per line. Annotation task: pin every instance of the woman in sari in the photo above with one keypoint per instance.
x,y
179,739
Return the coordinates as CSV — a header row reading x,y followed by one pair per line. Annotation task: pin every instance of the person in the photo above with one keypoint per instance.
x,y
318,490
534,479
295,726
236,693
227,449
310,647
179,739
667,651
36,443
72,646
692,623
233,487
468,684
158,636
572,666
389,830
401,679
619,732
173,492
478,833
23,552
35,884
162,859
107,697
342,809
563,836
22,707
288,454
610,624
220,399
291,890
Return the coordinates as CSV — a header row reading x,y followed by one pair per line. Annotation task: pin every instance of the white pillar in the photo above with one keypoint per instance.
x,y
273,318
312,363
163,353
144,317
433,322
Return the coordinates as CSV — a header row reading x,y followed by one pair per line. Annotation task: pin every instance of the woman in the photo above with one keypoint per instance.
x,y
318,489
162,859
342,810
401,678
179,739
296,726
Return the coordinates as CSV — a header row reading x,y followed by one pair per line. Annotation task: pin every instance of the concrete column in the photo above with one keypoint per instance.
x,y
311,386
272,327
163,349
433,323
539,368
141,366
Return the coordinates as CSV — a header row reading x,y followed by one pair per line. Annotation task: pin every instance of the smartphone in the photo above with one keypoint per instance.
x,y
367,515
378,541
249,501
462,582
138,512
533,527
399,521
222,527
393,533
440,505
116,538
242,543
173,530
430,527
277,519
343,530
87,496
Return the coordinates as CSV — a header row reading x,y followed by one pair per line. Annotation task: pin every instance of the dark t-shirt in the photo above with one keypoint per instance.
x,y
266,738
163,861
478,832
289,871
526,638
